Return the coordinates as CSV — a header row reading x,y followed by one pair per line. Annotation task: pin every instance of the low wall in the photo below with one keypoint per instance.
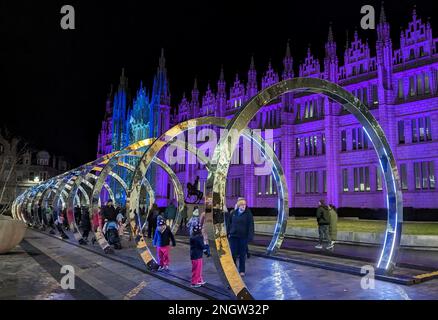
x,y
353,237
11,233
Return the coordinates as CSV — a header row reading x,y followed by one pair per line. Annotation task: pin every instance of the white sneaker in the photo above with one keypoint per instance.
x,y
331,246
319,246
197,285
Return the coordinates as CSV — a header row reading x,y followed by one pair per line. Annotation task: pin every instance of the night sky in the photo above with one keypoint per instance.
x,y
54,82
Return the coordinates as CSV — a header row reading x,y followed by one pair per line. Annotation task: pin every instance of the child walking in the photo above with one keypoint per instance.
x,y
161,240
196,253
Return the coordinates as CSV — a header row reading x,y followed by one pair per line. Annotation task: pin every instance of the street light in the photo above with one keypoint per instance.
x,y
36,179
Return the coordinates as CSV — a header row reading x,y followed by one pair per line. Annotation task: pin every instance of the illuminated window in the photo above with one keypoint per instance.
x,y
379,186
345,180
426,83
297,147
324,181
354,139
401,132
420,89
411,86
297,182
259,185
414,130
428,129
404,176
323,143
400,89
344,140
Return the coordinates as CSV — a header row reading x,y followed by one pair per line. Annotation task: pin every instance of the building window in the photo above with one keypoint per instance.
x,y
344,140
306,146
345,180
375,94
361,179
297,147
411,86
414,130
259,185
359,138
31,176
312,182
379,186
428,129
404,176
400,89
323,143
365,139
354,139
324,181
315,145
420,89
401,132
432,174
417,174
307,182
297,182
421,128
426,83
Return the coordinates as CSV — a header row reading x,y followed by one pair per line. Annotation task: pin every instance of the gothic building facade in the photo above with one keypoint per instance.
x,y
323,149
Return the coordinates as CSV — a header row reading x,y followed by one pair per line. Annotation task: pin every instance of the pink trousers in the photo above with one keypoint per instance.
x,y
163,256
197,271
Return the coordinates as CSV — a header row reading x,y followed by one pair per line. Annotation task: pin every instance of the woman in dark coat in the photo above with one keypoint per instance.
x,y
240,229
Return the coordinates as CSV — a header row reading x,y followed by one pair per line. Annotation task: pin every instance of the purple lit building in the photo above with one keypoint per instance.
x,y
324,151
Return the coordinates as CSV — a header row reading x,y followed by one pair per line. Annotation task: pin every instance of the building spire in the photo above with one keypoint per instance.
x,y
252,65
222,77
162,61
195,85
288,55
330,33
382,13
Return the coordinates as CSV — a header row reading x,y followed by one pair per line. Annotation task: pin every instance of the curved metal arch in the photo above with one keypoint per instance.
x,y
107,170
222,157
151,153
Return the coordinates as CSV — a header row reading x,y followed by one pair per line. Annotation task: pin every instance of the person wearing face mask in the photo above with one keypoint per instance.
x,y
240,231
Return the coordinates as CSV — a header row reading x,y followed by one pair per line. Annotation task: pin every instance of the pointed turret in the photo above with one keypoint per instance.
x,y
288,71
251,86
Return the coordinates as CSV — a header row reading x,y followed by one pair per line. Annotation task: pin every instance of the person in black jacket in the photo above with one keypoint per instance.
x,y
196,252
240,230
323,218
109,212
85,223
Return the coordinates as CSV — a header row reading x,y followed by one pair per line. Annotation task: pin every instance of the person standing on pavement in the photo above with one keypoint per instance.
x,y
333,229
323,219
170,214
240,231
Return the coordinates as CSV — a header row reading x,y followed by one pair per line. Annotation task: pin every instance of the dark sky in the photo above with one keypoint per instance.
x,y
54,82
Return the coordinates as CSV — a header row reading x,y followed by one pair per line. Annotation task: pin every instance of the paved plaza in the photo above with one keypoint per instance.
x,y
32,271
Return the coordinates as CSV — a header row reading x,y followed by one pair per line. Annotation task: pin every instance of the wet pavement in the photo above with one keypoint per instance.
x,y
31,272
421,259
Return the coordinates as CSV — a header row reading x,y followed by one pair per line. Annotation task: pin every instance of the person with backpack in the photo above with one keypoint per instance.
x,y
152,220
240,230
323,219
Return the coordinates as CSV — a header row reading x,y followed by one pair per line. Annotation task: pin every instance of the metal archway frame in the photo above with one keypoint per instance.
x,y
155,148
222,157
107,170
